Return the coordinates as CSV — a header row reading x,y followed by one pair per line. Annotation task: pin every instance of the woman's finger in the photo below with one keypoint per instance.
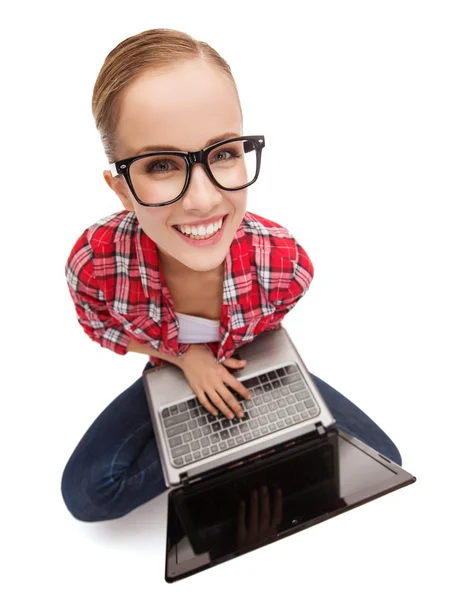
x,y
253,520
230,400
202,398
265,509
237,386
218,401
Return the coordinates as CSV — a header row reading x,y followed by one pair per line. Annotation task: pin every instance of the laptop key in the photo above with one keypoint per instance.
x,y
256,433
250,383
272,427
291,410
273,405
272,417
166,413
244,427
296,418
289,421
300,406
313,412
282,402
280,424
291,378
172,431
225,435
210,418
282,414
183,407
264,430
214,449
225,423
276,385
267,387
247,437
197,434
300,385
174,410
197,455
195,445
264,409
194,413
285,391
281,372
258,400
276,394
239,439
291,368
254,412
202,421
205,442
206,430
192,424
179,461
231,443
215,437
180,451
291,399
309,403
263,420
216,426
175,441
187,437
222,446
192,403
176,420
302,395
206,452
264,378
254,424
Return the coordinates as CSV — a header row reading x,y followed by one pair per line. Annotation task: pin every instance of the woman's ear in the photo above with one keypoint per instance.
x,y
119,186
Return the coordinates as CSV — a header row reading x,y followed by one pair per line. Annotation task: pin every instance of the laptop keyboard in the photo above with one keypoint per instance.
x,y
280,399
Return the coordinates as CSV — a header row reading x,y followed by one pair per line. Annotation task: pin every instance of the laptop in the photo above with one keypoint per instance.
x,y
286,455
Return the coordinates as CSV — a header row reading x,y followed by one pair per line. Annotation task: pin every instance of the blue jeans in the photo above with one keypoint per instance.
x,y
116,467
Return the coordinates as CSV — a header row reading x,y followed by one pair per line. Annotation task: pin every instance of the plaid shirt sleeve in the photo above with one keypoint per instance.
x,y
299,284
91,309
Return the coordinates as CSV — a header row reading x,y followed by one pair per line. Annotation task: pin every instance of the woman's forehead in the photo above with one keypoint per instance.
x,y
183,106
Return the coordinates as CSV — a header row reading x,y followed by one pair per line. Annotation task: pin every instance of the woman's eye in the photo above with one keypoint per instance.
x,y
162,166
224,155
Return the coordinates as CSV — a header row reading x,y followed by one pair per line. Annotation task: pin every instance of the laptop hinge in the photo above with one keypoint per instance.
x,y
319,432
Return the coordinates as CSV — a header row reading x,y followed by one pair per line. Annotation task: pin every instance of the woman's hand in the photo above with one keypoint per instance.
x,y
260,524
208,380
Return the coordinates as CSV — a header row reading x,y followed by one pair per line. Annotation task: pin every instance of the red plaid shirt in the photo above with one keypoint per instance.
x,y
118,288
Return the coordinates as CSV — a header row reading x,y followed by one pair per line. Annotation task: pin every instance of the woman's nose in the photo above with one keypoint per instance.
x,y
201,193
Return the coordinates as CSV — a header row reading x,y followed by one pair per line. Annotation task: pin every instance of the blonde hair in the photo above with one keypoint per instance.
x,y
154,49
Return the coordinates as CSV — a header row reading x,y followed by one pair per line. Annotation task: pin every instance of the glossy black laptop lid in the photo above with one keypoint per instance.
x,y
308,480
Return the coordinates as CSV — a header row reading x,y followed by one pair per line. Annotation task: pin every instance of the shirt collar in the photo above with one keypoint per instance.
x,y
237,281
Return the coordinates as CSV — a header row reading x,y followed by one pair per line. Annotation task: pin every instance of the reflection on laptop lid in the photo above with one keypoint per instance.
x,y
318,478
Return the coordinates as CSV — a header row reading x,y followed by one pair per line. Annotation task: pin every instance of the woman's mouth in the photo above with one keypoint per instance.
x,y
204,235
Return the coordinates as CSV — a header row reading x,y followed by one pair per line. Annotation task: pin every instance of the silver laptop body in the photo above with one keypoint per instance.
x,y
166,387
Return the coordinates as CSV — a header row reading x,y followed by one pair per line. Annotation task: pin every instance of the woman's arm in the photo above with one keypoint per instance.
x,y
134,346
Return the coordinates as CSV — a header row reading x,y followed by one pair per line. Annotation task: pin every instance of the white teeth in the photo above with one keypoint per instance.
x,y
201,229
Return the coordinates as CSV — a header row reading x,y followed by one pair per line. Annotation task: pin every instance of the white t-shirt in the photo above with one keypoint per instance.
x,y
196,330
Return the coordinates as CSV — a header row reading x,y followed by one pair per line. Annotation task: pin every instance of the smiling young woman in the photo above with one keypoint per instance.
x,y
184,273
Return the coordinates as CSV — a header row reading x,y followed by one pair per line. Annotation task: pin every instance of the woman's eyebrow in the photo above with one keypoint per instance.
x,y
157,147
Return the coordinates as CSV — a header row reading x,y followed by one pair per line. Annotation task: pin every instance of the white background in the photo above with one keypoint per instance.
x,y
357,104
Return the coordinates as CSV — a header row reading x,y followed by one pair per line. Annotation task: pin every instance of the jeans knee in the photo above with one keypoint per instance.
x,y
82,496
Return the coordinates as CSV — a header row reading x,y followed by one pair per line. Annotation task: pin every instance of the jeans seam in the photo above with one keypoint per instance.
x,y
132,477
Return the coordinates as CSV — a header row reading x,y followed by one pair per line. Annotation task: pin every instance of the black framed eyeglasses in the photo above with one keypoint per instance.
x,y
161,178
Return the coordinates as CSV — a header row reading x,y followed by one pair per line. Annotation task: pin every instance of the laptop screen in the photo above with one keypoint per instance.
x,y
279,493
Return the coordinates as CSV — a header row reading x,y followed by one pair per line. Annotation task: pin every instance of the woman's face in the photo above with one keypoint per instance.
x,y
186,107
